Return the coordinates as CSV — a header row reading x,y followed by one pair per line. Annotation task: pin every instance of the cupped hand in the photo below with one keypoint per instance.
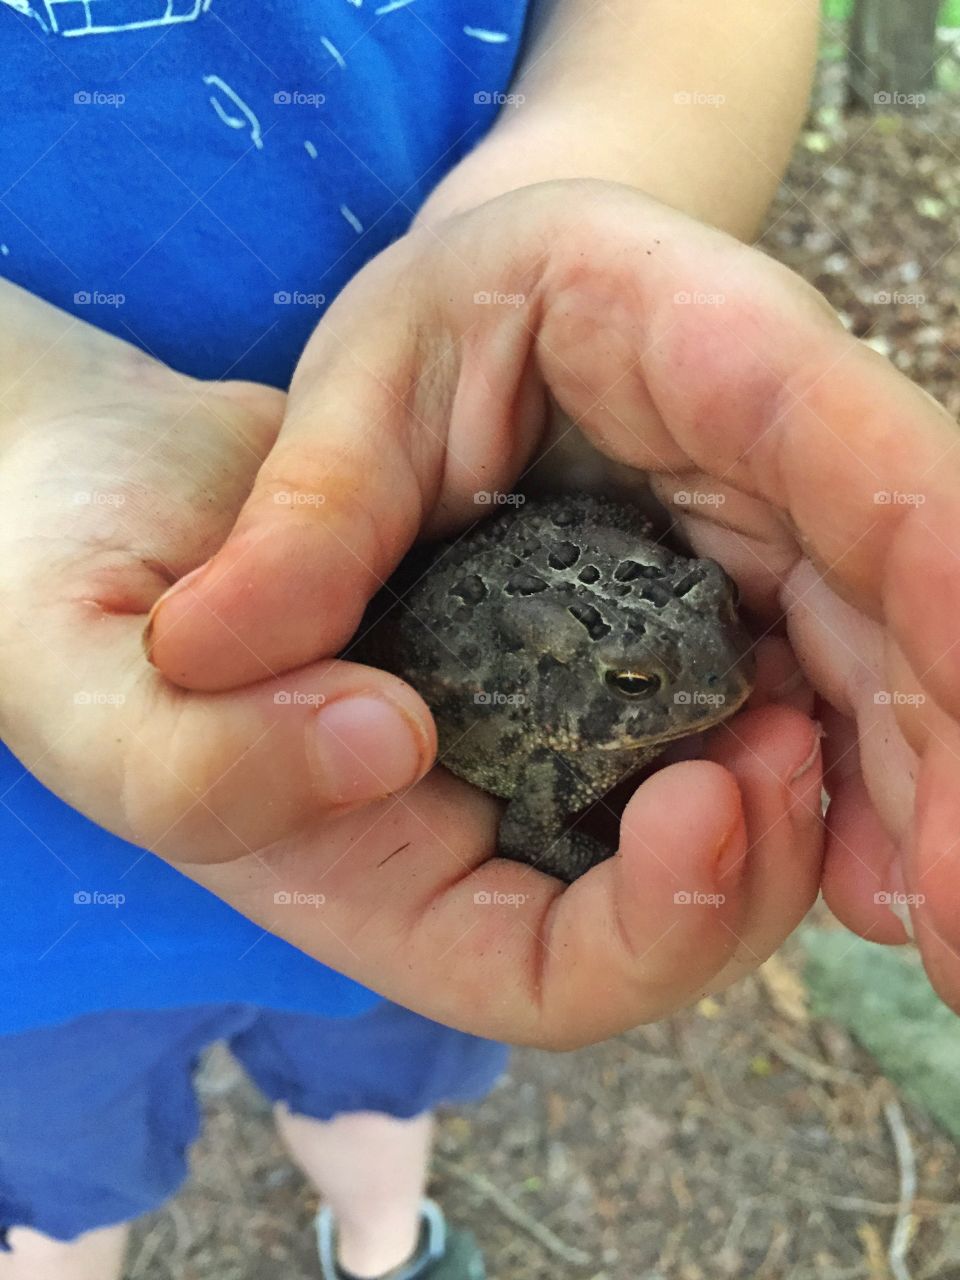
x,y
120,477
826,482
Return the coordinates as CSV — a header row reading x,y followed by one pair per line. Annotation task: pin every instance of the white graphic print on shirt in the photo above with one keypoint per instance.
x,y
104,17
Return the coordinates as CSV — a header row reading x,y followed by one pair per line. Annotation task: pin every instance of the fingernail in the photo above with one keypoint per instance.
x,y
899,903
731,856
365,748
804,781
147,637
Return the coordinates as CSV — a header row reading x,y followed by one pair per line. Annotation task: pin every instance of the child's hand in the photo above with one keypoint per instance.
x,y
676,350
117,477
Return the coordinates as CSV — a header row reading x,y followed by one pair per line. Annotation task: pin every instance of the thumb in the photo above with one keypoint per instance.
x,y
335,505
399,414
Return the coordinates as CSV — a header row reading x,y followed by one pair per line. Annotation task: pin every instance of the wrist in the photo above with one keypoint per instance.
x,y
550,145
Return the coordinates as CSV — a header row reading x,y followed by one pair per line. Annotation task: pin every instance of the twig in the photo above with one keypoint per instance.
x,y
906,1162
876,1208
812,1067
513,1213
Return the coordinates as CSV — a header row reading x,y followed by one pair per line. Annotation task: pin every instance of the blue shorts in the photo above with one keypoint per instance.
x,y
96,1115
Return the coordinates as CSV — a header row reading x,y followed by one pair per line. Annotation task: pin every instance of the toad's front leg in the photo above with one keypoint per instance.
x,y
552,788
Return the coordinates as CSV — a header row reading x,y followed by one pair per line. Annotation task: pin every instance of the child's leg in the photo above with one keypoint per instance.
x,y
98,1255
358,1096
372,1171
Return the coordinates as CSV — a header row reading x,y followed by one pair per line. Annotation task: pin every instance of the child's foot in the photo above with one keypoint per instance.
x,y
441,1254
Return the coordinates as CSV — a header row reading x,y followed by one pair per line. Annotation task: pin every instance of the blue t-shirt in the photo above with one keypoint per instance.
x,y
201,177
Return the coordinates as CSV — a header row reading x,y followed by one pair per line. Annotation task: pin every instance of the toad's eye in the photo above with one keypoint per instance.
x,y
633,684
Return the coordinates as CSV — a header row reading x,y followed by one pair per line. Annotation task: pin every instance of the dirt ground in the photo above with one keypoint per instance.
x,y
741,1138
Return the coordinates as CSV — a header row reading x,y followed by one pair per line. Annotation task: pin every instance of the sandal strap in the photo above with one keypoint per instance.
x,y
433,1228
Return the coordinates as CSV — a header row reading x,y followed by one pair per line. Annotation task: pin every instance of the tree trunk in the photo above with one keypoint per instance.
x,y
893,53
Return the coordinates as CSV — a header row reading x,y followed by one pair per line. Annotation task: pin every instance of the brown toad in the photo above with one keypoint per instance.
x,y
560,648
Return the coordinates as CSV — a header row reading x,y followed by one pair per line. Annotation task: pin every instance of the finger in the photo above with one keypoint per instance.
x,y
501,949
210,777
508,952
932,868
779,678
862,878
774,754
848,658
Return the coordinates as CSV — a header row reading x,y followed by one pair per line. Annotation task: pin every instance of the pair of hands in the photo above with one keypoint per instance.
x,y
255,762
